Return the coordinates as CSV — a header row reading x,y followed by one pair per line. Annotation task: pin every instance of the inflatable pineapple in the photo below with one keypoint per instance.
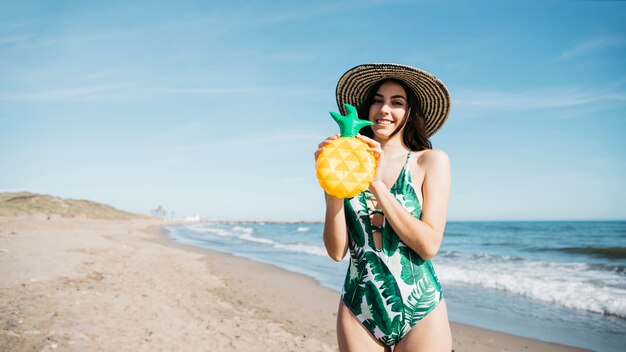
x,y
346,167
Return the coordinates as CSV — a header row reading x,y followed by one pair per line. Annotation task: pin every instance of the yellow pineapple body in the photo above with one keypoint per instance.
x,y
345,167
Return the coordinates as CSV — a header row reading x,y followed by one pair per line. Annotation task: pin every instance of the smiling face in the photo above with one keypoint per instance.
x,y
388,111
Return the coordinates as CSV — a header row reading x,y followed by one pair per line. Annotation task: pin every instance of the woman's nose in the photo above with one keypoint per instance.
x,y
385,108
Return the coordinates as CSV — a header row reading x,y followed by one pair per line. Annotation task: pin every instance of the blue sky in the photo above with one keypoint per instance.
x,y
215,108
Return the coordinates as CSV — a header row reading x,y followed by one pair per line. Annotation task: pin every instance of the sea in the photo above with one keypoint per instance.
x,y
556,281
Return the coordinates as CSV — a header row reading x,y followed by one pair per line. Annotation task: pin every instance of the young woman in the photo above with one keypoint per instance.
x,y
391,296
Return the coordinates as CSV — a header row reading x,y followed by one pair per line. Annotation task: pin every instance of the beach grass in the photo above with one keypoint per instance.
x,y
26,203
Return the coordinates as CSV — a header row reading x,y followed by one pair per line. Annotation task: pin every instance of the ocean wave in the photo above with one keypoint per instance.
x,y
247,230
292,247
209,230
449,234
249,237
302,229
602,252
572,285
619,269
298,247
195,228
488,257
248,234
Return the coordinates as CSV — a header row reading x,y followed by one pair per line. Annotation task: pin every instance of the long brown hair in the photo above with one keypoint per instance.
x,y
414,133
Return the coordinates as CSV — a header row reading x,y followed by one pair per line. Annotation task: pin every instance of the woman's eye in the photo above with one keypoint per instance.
x,y
398,103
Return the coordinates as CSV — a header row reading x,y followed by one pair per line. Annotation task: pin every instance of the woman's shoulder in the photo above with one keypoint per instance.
x,y
431,156
430,159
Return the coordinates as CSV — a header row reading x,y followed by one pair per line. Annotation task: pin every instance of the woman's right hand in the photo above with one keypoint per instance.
x,y
377,151
324,143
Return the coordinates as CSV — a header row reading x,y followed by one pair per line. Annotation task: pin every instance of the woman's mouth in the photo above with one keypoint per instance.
x,y
382,122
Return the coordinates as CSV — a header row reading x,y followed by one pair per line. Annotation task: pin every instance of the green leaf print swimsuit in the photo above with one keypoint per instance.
x,y
391,289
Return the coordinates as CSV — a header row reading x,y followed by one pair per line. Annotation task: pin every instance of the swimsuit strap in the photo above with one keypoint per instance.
x,y
408,156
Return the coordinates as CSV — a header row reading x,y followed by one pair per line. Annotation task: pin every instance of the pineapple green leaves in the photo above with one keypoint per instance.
x,y
350,124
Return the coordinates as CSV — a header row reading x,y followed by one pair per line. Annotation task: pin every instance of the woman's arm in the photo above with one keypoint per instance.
x,y
335,231
423,235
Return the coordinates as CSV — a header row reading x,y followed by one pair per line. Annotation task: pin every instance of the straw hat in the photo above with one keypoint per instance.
x,y
429,90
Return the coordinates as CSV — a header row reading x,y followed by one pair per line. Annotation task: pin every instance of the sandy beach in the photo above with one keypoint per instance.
x,y
122,285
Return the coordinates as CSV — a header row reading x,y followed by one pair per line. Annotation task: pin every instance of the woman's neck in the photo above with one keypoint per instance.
x,y
393,146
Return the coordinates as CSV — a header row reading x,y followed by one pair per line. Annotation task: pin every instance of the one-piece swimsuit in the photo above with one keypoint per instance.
x,y
389,290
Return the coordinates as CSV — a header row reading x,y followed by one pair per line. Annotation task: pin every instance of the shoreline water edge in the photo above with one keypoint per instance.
x,y
75,285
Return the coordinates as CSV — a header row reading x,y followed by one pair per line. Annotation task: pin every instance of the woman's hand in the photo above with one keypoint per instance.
x,y
324,143
377,151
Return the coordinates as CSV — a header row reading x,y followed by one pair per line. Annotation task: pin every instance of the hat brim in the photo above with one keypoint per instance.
x,y
433,95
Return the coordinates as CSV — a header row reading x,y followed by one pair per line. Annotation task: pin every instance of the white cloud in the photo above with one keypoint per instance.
x,y
542,98
128,91
15,39
89,92
210,90
591,44
266,139
292,57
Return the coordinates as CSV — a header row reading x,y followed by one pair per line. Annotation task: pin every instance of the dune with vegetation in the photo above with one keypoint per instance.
x,y
26,203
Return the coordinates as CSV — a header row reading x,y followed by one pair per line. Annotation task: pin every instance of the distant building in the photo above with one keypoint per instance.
x,y
192,218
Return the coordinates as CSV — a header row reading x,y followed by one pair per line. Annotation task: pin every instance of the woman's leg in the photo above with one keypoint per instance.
x,y
352,335
431,334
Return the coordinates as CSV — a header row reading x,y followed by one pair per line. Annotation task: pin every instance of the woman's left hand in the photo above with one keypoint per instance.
x,y
377,151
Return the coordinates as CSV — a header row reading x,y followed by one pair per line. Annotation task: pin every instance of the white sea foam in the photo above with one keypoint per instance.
x,y
243,229
247,234
209,230
195,228
572,285
302,229
249,237
298,247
